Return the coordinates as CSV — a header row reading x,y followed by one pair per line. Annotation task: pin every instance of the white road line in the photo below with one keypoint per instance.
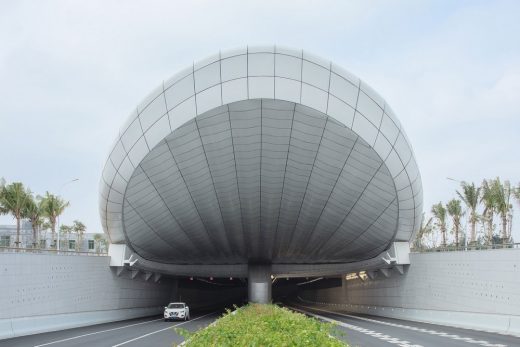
x,y
158,331
96,332
491,331
422,330
380,336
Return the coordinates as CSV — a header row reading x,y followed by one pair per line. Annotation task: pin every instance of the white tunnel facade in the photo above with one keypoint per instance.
x,y
261,154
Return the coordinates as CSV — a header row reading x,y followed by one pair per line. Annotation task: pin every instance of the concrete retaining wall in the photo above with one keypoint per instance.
x,y
40,293
473,289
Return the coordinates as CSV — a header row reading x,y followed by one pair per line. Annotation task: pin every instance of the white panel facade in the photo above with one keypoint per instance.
x,y
261,153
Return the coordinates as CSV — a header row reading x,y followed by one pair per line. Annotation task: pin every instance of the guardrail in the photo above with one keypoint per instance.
x,y
466,248
49,251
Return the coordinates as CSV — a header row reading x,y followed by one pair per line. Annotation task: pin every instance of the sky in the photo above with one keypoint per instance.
x,y
72,71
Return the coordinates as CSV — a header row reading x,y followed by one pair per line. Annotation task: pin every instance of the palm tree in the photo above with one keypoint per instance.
x,y
66,230
489,198
504,206
34,212
470,196
79,228
43,231
3,209
455,211
53,207
424,230
439,212
13,200
516,193
99,239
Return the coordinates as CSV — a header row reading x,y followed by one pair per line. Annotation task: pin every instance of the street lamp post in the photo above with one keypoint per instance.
x,y
59,193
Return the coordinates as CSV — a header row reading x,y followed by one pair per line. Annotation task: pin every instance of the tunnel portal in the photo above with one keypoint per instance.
x,y
259,157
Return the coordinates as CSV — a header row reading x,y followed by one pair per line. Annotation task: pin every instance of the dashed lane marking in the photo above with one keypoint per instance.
x,y
380,336
480,329
422,330
96,332
158,331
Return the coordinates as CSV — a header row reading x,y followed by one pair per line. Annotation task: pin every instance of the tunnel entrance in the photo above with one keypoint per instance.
x,y
260,154
205,293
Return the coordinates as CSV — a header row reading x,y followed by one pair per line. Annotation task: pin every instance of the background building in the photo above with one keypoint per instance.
x,y
91,242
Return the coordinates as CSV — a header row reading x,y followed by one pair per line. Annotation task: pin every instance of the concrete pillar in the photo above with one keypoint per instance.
x,y
259,283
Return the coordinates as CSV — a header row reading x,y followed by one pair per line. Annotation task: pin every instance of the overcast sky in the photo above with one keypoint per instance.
x,y
71,72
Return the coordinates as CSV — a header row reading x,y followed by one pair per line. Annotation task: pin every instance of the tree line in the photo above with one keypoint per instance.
x,y
476,206
41,211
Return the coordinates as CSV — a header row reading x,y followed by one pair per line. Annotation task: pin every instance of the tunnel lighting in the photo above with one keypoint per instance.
x,y
363,275
351,276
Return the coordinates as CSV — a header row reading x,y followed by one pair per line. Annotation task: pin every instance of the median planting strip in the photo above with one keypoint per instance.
x,y
263,325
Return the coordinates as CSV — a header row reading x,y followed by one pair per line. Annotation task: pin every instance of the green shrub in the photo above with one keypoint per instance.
x,y
263,325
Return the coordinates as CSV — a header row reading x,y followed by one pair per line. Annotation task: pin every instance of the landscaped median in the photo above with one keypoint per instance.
x,y
263,325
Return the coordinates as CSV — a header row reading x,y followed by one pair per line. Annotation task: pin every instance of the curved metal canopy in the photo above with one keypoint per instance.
x,y
261,154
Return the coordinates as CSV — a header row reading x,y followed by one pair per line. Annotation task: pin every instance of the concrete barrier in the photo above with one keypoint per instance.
x,y
49,292
14,327
472,289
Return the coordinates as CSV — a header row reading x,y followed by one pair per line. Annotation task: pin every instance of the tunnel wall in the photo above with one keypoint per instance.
x,y
40,293
472,289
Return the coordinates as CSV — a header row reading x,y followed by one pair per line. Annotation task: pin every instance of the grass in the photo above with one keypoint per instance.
x,y
263,325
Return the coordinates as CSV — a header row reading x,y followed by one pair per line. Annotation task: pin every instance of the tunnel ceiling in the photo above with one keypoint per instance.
x,y
261,154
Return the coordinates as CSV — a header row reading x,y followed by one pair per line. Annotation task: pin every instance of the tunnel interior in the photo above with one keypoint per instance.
x,y
207,293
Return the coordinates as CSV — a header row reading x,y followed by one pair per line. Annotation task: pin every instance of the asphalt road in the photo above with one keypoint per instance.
x,y
151,331
357,330
365,330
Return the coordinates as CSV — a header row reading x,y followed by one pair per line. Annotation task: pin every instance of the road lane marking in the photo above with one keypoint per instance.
x,y
480,329
422,330
380,336
158,331
96,332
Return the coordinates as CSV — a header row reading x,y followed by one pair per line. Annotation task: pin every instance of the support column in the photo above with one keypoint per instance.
x,y
259,283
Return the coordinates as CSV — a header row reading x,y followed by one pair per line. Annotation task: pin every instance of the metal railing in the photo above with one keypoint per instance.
x,y
466,248
50,251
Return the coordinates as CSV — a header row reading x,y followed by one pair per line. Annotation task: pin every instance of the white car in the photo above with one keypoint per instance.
x,y
176,310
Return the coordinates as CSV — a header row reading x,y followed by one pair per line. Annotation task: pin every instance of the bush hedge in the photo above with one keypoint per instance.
x,y
263,325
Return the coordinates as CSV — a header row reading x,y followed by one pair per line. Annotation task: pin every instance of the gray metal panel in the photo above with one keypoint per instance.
x,y
310,166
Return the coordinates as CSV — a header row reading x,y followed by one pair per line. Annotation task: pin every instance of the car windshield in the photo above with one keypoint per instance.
x,y
176,306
